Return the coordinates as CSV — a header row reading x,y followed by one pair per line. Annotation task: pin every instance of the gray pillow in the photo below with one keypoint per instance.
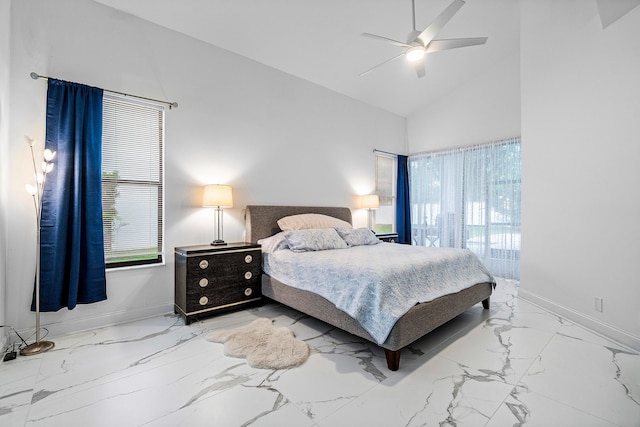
x,y
314,239
358,236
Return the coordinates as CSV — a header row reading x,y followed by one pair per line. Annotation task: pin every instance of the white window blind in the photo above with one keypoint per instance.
x,y
132,181
386,181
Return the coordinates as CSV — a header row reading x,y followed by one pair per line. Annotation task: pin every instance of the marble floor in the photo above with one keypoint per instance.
x,y
513,365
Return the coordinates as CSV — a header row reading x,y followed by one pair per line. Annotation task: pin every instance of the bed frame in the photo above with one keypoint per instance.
x,y
261,222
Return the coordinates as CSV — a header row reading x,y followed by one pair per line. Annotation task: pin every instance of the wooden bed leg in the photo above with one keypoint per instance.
x,y
393,359
486,303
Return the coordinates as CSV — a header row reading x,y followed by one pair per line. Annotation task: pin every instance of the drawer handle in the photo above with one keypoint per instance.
x,y
203,282
248,292
248,275
248,259
204,301
204,264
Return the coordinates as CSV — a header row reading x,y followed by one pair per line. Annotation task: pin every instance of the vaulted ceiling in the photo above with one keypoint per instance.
x,y
320,41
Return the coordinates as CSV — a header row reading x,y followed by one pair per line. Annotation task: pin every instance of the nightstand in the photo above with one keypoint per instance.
x,y
212,279
388,237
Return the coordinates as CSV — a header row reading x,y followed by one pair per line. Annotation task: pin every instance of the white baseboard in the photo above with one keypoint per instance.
x,y
624,338
66,327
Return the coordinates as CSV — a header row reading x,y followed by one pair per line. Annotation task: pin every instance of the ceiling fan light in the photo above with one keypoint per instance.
x,y
415,53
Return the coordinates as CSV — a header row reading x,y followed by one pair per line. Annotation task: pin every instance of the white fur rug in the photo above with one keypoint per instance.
x,y
263,345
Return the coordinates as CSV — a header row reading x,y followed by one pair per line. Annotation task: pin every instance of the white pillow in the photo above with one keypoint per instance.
x,y
358,236
274,243
316,239
306,221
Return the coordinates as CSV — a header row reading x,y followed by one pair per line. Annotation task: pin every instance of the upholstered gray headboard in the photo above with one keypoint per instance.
x,y
262,221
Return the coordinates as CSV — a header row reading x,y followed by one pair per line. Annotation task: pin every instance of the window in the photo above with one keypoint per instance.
x,y
470,198
132,181
386,177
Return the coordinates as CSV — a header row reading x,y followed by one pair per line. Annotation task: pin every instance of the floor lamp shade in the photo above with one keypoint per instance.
x,y
218,196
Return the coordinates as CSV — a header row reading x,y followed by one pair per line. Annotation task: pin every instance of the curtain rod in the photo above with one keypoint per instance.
x,y
36,76
512,140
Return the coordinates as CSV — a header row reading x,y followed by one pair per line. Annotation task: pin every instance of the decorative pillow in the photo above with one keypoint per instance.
x,y
358,236
317,239
273,243
306,221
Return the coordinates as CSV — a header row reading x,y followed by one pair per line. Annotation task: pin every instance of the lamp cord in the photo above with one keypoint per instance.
x,y
13,345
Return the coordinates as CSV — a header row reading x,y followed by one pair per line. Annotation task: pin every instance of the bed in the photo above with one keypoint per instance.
x,y
262,222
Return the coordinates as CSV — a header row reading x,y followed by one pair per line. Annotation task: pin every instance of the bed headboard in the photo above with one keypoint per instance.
x,y
262,221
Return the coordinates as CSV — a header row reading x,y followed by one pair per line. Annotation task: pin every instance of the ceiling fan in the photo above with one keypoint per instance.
x,y
421,43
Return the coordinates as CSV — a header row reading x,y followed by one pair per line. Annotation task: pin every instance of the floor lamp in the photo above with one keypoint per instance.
x,y
36,192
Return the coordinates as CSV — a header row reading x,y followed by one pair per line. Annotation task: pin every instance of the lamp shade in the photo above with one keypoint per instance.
x,y
217,196
370,201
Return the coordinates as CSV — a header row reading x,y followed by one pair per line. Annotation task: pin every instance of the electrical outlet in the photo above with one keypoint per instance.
x,y
597,304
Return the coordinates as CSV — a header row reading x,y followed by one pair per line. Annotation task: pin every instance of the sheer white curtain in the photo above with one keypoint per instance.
x,y
470,198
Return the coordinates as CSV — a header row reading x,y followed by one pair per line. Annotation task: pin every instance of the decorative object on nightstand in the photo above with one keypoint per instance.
x,y
36,192
212,279
217,196
388,237
370,202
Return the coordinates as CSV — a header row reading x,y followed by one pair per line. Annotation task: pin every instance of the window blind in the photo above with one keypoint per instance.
x,y
132,181
386,178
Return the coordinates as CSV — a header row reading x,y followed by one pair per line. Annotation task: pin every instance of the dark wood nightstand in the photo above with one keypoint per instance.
x,y
212,279
388,237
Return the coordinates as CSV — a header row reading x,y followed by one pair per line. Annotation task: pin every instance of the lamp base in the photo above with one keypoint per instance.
x,y
37,348
218,243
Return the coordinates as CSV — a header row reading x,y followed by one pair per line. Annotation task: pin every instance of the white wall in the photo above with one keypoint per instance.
x,y
4,158
484,109
578,118
580,149
275,138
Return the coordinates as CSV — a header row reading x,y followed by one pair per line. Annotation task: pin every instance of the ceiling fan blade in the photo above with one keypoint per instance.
x,y
381,64
434,28
611,11
385,39
419,67
439,45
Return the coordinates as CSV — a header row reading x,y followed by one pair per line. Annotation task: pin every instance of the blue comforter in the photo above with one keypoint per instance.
x,y
378,284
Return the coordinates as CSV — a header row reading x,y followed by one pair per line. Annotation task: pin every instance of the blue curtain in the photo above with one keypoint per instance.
x,y
71,236
403,207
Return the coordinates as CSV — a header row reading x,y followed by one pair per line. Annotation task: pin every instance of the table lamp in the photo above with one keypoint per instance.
x,y
218,197
370,202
